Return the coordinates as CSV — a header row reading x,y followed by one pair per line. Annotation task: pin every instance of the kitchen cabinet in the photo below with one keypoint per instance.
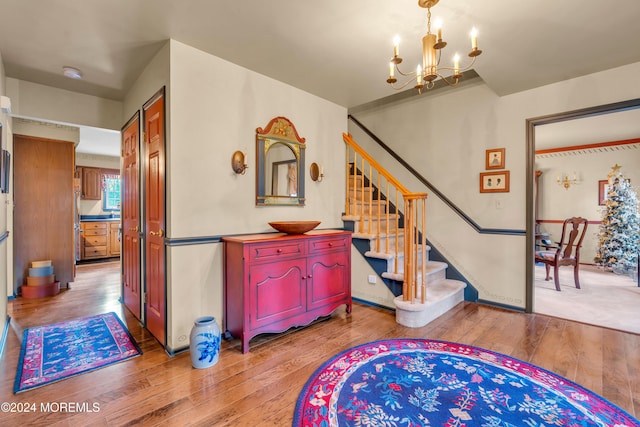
x,y
91,183
114,239
276,281
94,239
100,239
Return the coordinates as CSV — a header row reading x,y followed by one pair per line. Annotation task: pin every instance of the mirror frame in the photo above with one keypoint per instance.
x,y
279,130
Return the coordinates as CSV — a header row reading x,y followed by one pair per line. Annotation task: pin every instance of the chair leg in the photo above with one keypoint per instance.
x,y
556,278
547,267
575,276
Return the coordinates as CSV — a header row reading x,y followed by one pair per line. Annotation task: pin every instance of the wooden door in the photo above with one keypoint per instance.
x,y
154,229
130,216
44,211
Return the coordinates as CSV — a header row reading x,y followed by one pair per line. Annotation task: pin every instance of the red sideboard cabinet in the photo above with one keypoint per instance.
x,y
273,282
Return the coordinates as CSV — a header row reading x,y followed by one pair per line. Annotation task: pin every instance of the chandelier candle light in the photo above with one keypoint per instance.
x,y
432,45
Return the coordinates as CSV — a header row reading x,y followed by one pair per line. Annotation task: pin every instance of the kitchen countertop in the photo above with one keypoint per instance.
x,y
96,218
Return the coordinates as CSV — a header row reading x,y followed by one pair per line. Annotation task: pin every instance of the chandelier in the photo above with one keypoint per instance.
x,y
432,46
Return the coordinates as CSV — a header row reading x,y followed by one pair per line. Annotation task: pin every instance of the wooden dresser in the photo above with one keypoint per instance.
x,y
276,281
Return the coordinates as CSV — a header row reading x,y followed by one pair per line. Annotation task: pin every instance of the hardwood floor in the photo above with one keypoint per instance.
x,y
260,388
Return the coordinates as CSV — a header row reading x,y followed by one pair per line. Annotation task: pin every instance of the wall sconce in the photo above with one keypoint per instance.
x,y
238,162
317,172
565,181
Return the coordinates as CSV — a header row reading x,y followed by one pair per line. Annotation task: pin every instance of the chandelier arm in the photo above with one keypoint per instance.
x,y
405,84
412,73
449,83
461,69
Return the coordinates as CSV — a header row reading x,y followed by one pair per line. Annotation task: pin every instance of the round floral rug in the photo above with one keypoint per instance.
x,y
413,382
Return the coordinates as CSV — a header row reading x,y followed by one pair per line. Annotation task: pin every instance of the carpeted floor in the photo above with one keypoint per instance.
x,y
605,299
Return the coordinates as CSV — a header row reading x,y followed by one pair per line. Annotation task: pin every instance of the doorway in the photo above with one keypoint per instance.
x,y
84,145
537,130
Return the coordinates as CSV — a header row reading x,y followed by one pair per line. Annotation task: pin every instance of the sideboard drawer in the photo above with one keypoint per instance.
x,y
329,243
260,253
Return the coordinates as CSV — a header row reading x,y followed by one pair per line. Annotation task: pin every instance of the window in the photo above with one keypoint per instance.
x,y
110,193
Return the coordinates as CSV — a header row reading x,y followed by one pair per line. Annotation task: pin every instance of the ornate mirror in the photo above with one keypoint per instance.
x,y
280,158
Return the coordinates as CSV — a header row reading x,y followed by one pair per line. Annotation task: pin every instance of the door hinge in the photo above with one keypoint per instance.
x,y
145,297
144,137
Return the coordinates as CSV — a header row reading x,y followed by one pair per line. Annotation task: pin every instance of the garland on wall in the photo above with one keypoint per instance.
x,y
619,234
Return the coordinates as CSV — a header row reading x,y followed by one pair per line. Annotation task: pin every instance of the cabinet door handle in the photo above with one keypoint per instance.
x,y
330,245
133,228
159,233
279,250
310,277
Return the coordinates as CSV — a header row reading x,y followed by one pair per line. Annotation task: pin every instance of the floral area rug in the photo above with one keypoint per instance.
x,y
409,382
54,352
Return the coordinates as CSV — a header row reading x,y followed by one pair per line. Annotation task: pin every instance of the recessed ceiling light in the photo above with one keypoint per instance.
x,y
72,73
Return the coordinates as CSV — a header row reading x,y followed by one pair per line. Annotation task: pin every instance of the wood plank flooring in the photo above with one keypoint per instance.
x,y
260,388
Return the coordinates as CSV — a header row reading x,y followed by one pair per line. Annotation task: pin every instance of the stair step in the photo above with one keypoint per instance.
x,y
441,297
391,220
359,206
435,272
361,194
383,237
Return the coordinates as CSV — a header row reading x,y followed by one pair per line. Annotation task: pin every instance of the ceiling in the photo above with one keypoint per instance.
x,y
338,50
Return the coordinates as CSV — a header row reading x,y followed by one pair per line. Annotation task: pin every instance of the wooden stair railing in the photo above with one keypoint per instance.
x,y
369,211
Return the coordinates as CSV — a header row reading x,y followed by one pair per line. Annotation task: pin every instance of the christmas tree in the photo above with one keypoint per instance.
x,y
619,235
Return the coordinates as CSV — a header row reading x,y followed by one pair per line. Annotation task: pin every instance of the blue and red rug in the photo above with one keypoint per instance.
x,y
413,382
54,352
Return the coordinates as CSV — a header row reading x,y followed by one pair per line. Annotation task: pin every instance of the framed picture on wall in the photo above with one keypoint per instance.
x,y
494,182
603,189
495,159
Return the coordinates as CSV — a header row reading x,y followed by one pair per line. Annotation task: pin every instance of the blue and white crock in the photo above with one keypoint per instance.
x,y
204,342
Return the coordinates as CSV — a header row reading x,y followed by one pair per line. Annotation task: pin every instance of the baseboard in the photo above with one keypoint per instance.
x,y
373,304
497,304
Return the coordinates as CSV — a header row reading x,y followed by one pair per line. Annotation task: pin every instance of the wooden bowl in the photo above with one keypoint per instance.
x,y
294,227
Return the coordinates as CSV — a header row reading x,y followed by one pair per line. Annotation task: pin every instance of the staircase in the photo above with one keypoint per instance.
x,y
393,240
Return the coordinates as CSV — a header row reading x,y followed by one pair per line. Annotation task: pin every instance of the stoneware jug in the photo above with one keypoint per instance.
x,y
204,342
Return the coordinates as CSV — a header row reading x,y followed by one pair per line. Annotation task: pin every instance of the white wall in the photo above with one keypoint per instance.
x,y
215,109
445,134
32,100
48,130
